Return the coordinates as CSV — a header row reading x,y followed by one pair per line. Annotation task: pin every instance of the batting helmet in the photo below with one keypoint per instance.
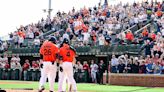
x,y
52,39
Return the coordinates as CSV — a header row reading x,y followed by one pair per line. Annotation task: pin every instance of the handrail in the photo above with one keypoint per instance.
x,y
142,28
58,31
44,34
129,28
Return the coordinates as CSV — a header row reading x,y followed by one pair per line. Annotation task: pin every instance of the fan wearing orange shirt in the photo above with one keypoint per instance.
x,y
145,32
67,59
159,13
49,53
129,36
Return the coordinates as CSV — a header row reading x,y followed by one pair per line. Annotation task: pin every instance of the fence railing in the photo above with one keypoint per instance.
x,y
85,50
35,74
136,27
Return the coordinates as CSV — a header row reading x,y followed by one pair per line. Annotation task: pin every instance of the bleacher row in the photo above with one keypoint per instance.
x,y
29,50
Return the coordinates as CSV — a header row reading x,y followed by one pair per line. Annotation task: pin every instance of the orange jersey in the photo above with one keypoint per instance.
x,y
67,53
49,51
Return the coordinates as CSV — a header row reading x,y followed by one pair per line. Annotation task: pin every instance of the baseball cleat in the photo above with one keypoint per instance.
x,y
41,90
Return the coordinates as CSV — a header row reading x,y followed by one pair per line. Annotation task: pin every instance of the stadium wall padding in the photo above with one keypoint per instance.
x,y
146,80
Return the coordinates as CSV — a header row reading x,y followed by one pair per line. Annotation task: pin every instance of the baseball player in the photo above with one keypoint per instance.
x,y
65,82
67,59
49,53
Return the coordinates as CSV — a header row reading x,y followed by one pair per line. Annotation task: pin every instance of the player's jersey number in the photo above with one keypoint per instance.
x,y
68,54
47,51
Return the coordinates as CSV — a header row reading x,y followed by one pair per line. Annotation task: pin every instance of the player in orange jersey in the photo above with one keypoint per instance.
x,y
49,53
67,60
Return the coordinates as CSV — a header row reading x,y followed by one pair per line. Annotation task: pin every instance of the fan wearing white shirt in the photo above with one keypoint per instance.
x,y
101,39
162,31
37,42
86,36
79,70
12,65
31,34
17,58
65,35
136,19
94,68
114,64
5,58
13,59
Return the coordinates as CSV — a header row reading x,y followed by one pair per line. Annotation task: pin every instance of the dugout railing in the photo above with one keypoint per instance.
x,y
34,75
17,74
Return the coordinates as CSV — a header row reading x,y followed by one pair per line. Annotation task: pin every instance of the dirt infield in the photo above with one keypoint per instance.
x,y
20,89
10,90
21,82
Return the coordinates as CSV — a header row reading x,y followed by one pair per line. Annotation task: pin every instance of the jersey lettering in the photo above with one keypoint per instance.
x,y
47,52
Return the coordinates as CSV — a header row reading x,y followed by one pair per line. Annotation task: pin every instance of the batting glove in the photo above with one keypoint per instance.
x,y
41,65
61,69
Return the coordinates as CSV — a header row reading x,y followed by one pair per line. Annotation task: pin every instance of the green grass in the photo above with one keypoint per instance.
x,y
81,87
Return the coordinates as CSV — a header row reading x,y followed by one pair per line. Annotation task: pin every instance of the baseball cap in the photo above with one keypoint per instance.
x,y
52,39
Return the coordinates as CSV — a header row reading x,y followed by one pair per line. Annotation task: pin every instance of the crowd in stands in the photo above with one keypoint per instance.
x,y
147,65
95,26
102,25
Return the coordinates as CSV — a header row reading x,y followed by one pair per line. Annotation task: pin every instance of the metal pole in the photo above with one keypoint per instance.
x,y
105,2
49,9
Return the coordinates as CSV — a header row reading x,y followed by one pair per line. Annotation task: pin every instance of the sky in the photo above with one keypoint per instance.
x,y
22,12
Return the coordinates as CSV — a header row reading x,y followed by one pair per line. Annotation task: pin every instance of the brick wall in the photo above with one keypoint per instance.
x,y
146,80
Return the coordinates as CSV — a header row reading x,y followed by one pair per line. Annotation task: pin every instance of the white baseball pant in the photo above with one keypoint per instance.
x,y
65,81
49,70
67,74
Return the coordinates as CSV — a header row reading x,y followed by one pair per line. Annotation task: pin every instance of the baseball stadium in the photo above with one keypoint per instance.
x,y
94,46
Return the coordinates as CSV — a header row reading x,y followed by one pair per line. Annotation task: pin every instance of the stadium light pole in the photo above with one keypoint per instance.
x,y
49,10
105,2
